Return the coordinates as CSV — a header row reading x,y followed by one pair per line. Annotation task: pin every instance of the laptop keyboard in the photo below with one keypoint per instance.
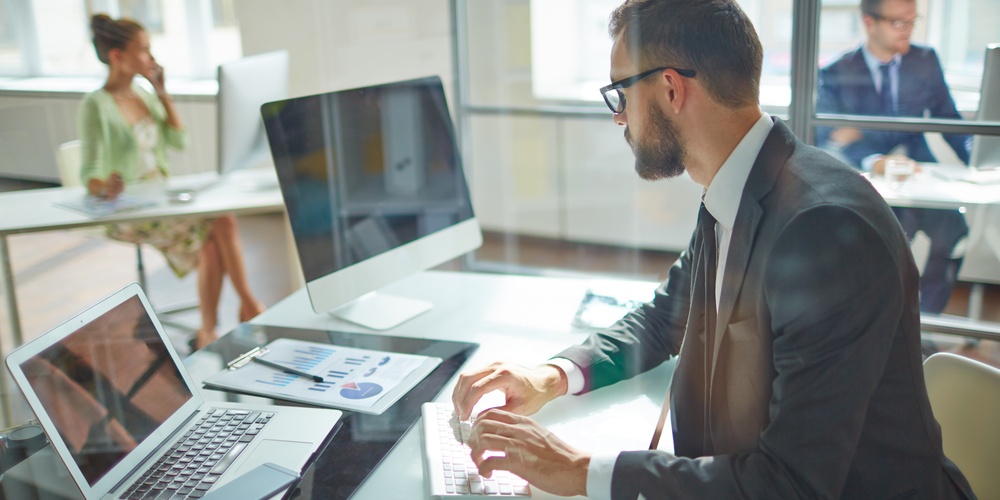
x,y
196,461
451,472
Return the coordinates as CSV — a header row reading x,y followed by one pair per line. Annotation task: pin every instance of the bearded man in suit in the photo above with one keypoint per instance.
x,y
889,76
806,380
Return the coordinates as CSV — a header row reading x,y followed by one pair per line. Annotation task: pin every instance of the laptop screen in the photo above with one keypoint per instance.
x,y
107,386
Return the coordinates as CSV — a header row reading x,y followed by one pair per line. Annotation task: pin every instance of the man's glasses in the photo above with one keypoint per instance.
x,y
614,97
897,24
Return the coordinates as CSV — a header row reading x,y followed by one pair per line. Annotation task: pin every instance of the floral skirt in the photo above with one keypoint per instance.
x,y
179,240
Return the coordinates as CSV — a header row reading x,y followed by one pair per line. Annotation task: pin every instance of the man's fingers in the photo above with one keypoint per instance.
x,y
490,417
498,462
462,398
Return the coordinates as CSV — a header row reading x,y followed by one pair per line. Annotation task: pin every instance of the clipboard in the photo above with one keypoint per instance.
x,y
356,379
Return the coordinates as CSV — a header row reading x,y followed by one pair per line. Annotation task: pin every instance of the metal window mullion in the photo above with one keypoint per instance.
x,y
460,82
805,43
903,124
460,86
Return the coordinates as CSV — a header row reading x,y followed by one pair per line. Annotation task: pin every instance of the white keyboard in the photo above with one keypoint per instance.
x,y
451,473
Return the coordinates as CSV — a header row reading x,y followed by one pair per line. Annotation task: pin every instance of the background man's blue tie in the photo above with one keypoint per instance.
x,y
886,93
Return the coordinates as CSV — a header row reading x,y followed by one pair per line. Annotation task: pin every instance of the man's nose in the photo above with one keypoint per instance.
x,y
619,119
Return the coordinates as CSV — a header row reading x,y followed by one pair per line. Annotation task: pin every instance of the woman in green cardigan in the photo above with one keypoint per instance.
x,y
124,135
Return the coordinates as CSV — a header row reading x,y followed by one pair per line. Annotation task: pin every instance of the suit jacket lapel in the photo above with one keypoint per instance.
x,y
773,154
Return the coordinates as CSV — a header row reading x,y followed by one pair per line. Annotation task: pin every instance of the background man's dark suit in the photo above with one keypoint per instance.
x,y
846,87
814,385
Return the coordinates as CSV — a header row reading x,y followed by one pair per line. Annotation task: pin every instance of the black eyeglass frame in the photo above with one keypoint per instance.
x,y
625,83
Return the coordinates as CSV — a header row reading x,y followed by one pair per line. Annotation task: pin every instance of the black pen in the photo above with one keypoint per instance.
x,y
272,364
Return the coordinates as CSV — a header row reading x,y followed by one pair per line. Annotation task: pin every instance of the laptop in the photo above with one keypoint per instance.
x,y
118,405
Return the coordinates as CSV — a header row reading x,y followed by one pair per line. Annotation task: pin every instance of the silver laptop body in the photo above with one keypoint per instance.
x,y
113,396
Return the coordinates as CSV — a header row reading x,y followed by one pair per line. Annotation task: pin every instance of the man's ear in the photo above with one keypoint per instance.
x,y
676,89
868,22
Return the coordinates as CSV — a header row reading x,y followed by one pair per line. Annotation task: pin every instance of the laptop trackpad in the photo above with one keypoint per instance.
x,y
289,454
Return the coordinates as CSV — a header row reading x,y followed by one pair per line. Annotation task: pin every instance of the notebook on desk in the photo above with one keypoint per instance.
x,y
126,418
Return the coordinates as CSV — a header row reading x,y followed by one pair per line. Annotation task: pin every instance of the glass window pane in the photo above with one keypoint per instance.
x,y
531,53
66,47
64,39
10,53
147,12
224,37
938,71
958,31
773,21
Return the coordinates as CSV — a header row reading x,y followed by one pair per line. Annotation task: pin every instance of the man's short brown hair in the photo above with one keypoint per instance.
x,y
713,37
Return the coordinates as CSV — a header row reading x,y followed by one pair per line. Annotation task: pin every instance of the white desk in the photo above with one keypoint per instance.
x,y
517,318
981,204
926,189
242,193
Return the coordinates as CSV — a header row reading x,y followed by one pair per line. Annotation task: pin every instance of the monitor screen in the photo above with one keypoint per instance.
x,y
107,386
244,85
373,185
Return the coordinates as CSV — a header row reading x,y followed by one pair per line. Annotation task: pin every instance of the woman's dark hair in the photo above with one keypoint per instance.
x,y
112,34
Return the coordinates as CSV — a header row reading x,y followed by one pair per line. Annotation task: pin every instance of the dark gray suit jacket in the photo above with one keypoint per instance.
x,y
814,386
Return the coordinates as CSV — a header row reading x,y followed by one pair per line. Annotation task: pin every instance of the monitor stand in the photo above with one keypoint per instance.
x,y
380,311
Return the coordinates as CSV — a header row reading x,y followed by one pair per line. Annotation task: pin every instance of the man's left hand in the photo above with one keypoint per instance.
x,y
502,440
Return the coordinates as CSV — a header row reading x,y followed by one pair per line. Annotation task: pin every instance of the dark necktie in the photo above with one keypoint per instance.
x,y
693,407
710,256
886,94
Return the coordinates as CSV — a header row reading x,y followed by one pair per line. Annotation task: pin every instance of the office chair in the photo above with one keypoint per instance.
x,y
965,397
68,161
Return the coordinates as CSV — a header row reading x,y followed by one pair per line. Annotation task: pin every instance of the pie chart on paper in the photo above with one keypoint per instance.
x,y
360,390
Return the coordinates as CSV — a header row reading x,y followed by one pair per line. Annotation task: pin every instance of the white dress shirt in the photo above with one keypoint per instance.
x,y
722,199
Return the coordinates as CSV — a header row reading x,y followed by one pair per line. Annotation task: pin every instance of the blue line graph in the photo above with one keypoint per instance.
x,y
279,379
304,359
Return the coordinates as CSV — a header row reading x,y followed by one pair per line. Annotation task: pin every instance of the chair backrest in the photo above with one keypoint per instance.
x,y
965,397
68,161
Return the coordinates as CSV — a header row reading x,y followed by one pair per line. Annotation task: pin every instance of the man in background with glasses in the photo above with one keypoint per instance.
x,y
889,76
793,313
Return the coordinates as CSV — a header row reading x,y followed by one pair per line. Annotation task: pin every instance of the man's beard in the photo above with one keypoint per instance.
x,y
662,157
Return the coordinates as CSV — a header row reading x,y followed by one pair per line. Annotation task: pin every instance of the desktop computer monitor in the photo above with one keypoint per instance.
x,y
244,85
986,149
374,190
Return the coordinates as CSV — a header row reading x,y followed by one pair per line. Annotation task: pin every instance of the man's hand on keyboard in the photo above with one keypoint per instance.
x,y
526,389
501,440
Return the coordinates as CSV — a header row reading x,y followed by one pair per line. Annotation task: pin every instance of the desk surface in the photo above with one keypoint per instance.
x,y
927,189
517,318
244,191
